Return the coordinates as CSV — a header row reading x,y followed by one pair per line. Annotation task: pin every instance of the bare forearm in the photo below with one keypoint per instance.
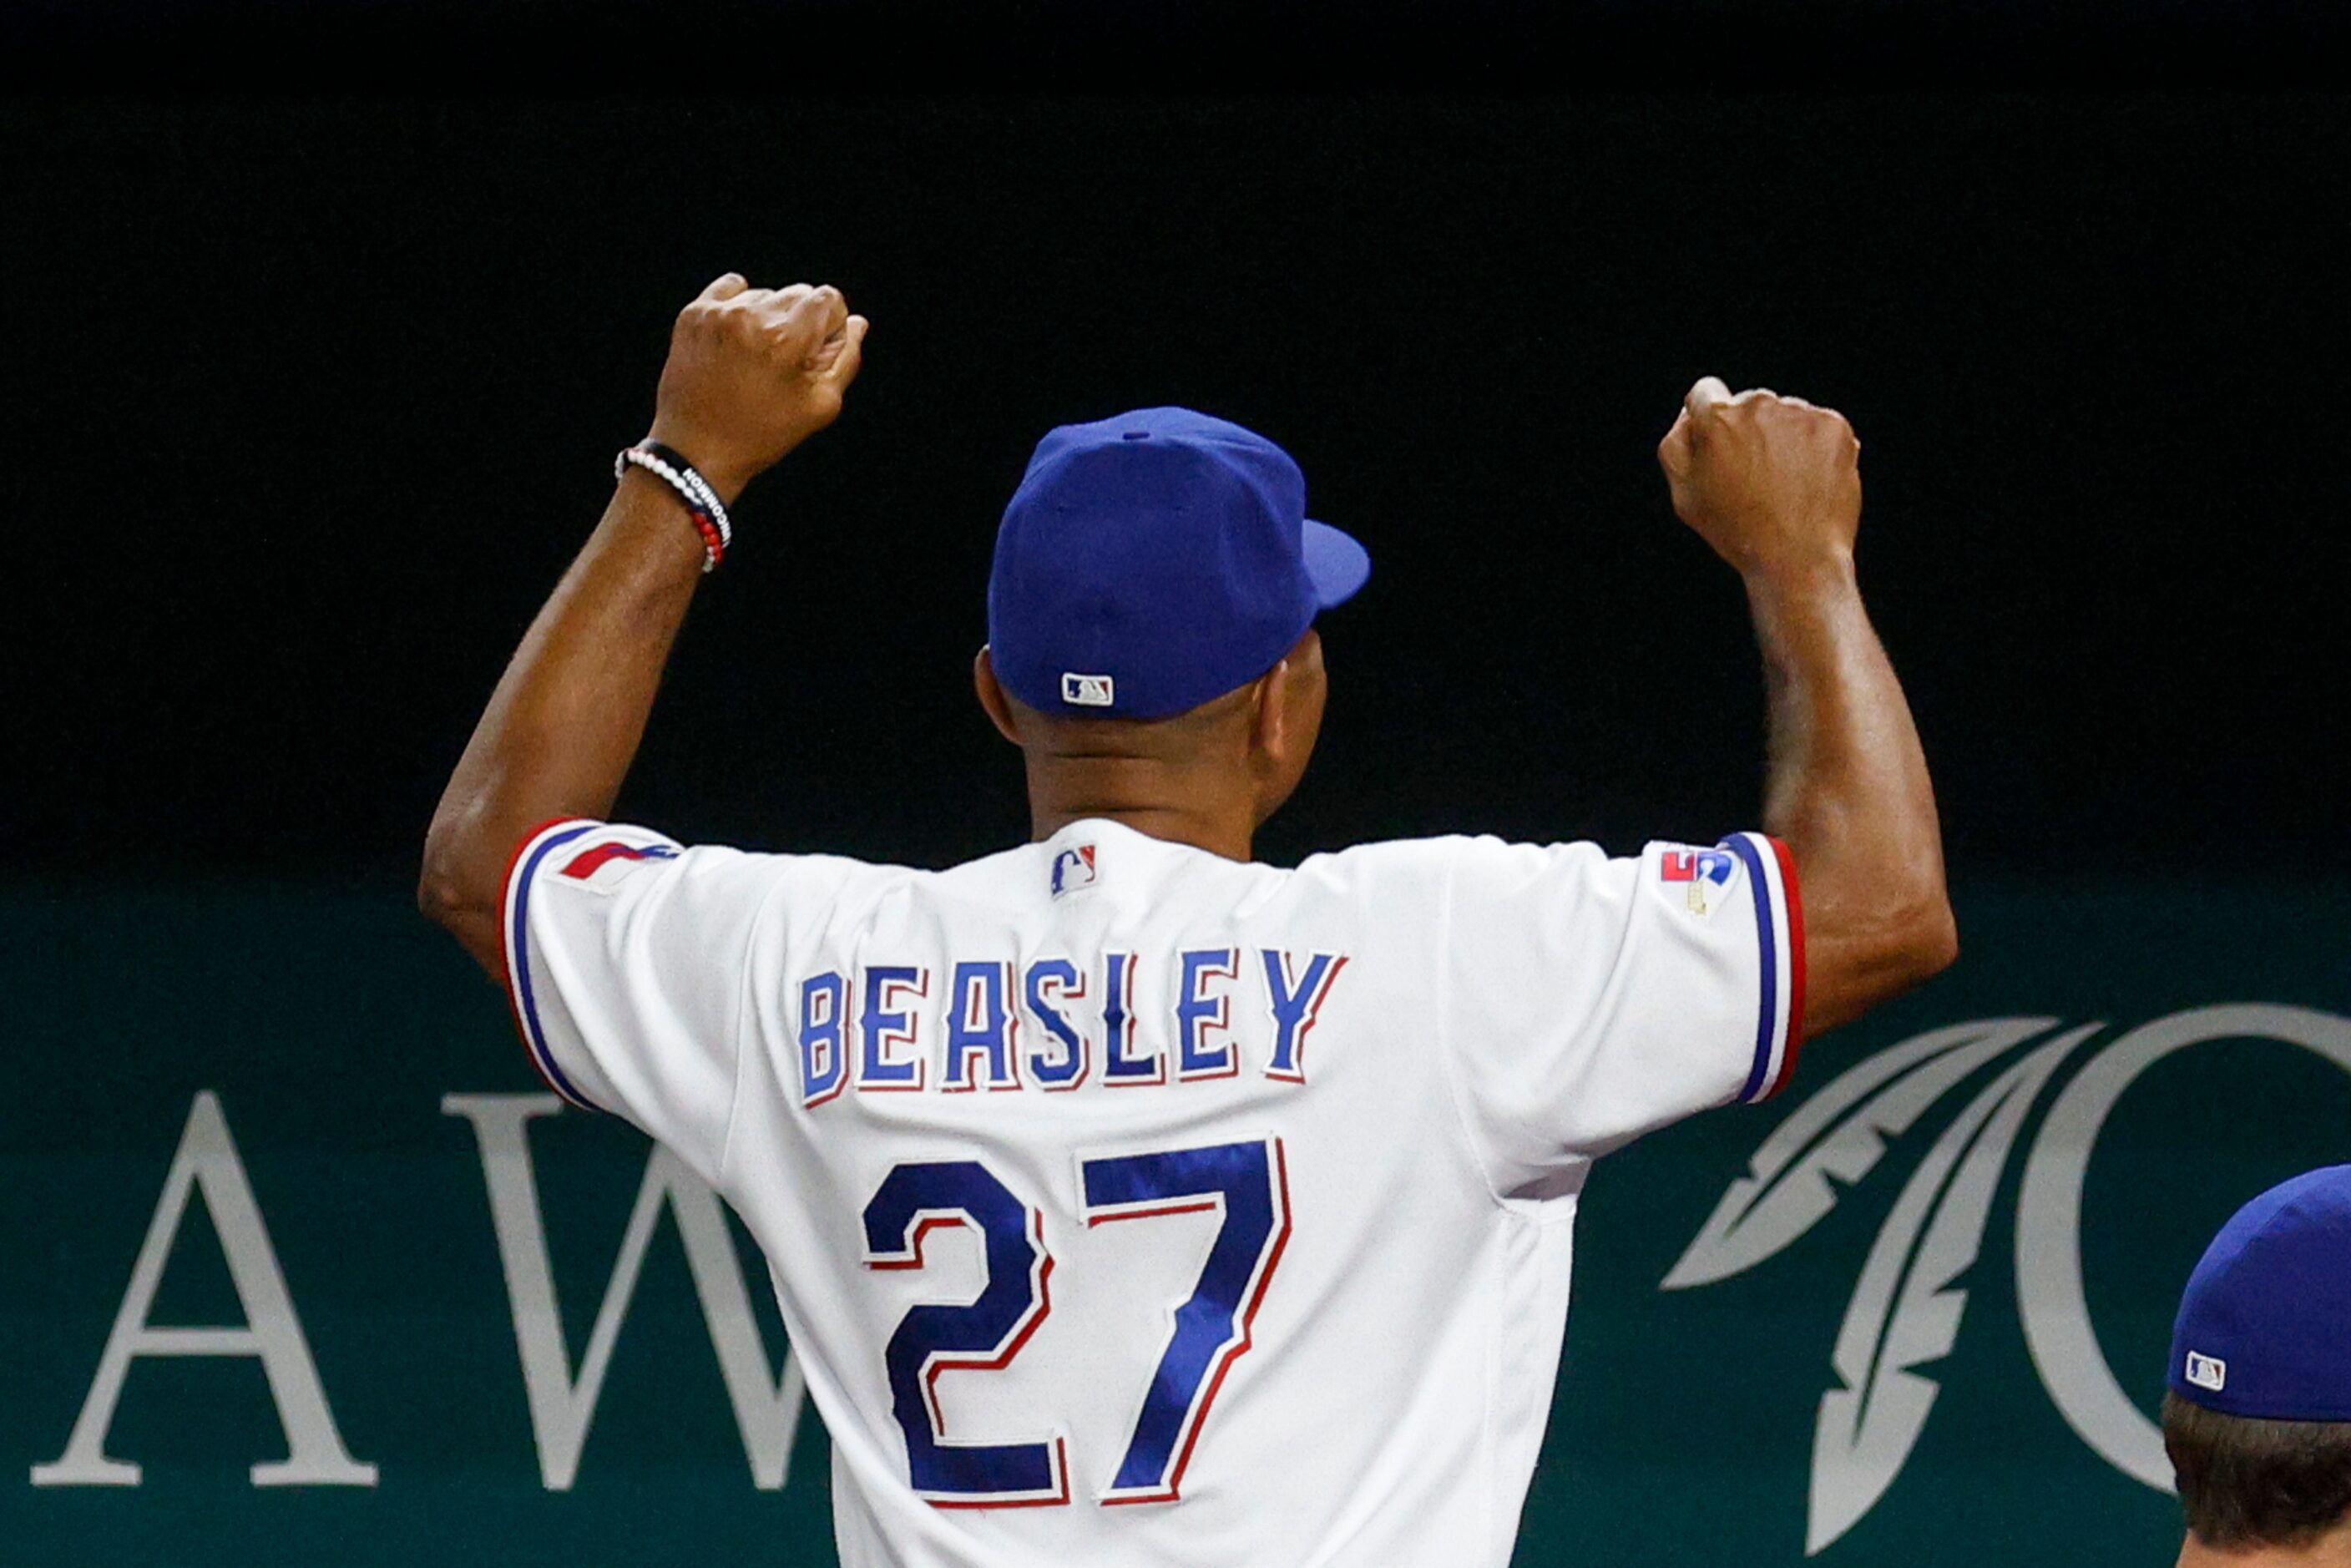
x,y
1774,485
751,373
1848,792
563,725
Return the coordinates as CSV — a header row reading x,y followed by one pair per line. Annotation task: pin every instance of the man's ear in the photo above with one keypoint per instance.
x,y
1290,697
991,696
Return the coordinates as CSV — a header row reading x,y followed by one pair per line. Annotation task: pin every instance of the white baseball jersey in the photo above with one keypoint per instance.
x,y
1127,1204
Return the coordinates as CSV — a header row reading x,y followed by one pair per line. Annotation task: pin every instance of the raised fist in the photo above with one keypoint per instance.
x,y
752,373
1770,482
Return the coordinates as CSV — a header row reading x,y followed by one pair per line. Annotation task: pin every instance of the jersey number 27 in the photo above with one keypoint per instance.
x,y
1245,1184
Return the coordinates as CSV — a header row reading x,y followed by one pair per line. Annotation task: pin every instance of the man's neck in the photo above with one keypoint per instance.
x,y
2332,1550
1206,807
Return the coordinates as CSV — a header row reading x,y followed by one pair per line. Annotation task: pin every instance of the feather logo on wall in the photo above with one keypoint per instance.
x,y
1909,1301
1787,1190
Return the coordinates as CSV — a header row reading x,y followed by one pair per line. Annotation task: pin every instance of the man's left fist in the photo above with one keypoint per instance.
x,y
752,373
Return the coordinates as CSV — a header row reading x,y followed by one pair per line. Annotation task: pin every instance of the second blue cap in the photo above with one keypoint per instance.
x,y
2264,1327
1154,560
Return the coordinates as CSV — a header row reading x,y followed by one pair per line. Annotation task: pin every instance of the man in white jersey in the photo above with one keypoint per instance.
x,y
1128,1201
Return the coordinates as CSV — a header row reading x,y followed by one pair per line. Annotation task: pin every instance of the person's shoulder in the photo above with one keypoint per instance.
x,y
982,874
806,880
1453,872
984,878
1444,854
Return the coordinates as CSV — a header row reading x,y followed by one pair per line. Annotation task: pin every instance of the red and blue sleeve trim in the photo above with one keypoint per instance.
x,y
1792,897
515,934
1779,951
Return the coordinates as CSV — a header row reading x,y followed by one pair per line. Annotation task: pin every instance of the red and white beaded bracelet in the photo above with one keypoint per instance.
x,y
702,502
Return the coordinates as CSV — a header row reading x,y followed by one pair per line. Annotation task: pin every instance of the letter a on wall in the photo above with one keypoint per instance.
x,y
207,1162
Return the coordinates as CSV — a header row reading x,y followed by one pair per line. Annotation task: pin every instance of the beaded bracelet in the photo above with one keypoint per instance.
x,y
702,502
709,492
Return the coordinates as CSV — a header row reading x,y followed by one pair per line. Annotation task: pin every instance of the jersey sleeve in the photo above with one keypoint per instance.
x,y
627,958
1587,1001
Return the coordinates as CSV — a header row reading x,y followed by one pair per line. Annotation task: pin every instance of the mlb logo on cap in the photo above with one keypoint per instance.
x,y
1088,691
2206,1372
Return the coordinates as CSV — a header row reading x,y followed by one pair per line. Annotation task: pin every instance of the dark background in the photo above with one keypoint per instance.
x,y
310,401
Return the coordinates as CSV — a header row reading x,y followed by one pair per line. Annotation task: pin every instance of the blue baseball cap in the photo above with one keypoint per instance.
x,y
2265,1329
1154,560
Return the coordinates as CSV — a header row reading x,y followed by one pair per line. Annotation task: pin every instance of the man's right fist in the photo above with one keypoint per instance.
x,y
752,373
1770,482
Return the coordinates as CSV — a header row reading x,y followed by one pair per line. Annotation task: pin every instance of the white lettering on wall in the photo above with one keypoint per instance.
x,y
207,1162
562,1405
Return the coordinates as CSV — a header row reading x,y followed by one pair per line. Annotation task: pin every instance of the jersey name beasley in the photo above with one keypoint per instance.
x,y
1128,1204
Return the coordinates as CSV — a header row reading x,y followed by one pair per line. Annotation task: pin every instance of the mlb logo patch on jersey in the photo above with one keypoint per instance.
x,y
1073,868
583,866
1088,691
1706,874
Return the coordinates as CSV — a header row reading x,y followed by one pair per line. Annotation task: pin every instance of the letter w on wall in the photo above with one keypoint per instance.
x,y
562,1406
